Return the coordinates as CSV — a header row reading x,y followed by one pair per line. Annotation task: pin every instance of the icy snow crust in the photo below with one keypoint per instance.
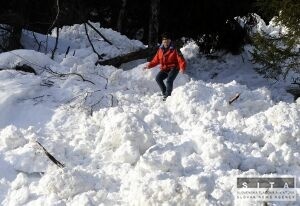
x,y
121,145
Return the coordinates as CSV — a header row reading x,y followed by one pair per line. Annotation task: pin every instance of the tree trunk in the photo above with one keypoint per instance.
x,y
117,61
121,16
154,23
14,38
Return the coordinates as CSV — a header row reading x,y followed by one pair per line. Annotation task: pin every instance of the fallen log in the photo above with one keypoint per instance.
x,y
24,68
117,61
295,91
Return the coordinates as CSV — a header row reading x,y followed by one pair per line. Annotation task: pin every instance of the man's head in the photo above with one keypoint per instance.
x,y
166,39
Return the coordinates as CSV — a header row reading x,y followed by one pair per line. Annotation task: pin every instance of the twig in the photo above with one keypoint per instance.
x,y
106,79
56,17
243,58
234,98
112,100
67,52
55,161
98,32
86,32
53,23
68,74
56,42
37,41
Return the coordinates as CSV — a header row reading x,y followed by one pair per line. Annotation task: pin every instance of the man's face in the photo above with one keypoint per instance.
x,y
166,42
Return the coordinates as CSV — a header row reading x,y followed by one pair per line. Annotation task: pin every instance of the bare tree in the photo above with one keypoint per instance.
x,y
15,19
154,23
121,16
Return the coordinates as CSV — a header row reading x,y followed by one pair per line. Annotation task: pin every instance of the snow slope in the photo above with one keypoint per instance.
x,y
121,145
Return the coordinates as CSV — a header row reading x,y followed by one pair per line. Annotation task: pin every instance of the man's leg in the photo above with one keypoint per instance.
x,y
171,77
160,77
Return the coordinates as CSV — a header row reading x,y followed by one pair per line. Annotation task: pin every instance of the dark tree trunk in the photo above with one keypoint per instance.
x,y
121,16
15,18
117,61
154,23
14,38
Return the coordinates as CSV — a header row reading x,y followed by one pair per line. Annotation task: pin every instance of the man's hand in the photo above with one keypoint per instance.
x,y
145,67
181,71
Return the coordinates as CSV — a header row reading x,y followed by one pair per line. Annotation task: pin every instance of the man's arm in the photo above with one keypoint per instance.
x,y
181,61
155,61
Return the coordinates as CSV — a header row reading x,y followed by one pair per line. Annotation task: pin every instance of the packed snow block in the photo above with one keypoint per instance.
x,y
165,158
27,159
164,189
19,193
17,197
126,135
214,150
67,183
11,138
35,62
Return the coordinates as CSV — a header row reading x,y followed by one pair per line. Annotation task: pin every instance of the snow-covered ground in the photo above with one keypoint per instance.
x,y
120,144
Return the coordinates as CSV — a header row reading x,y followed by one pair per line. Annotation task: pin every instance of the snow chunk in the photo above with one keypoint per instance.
x,y
67,183
19,192
190,50
11,138
165,158
126,134
29,159
32,58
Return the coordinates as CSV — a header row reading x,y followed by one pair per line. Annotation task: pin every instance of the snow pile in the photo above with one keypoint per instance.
x,y
11,138
73,41
129,137
272,29
122,145
67,183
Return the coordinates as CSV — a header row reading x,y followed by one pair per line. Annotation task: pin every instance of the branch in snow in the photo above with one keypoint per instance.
x,y
68,74
55,161
38,43
88,37
53,24
98,32
234,98
82,100
56,17
67,52
56,42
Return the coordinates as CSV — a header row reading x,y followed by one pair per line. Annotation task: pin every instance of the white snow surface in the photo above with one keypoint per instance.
x,y
121,145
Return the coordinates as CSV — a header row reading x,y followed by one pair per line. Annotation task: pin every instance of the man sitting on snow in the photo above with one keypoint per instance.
x,y
171,62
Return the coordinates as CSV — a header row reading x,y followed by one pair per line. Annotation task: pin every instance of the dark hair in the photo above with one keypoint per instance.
x,y
166,35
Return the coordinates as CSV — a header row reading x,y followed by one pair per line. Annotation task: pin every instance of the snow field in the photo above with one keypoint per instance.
x,y
121,145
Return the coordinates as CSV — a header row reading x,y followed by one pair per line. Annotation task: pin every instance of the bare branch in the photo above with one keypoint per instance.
x,y
86,32
67,52
56,42
38,43
68,74
234,98
98,32
53,23
56,17
53,159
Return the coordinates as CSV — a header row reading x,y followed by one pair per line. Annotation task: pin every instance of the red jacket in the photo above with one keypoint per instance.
x,y
168,59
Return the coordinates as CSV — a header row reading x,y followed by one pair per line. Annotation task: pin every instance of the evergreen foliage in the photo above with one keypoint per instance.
x,y
278,55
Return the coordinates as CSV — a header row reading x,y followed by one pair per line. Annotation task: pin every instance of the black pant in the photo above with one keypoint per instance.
x,y
170,76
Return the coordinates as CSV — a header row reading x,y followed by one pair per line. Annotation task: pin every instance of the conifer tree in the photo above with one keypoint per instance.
x,y
278,55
